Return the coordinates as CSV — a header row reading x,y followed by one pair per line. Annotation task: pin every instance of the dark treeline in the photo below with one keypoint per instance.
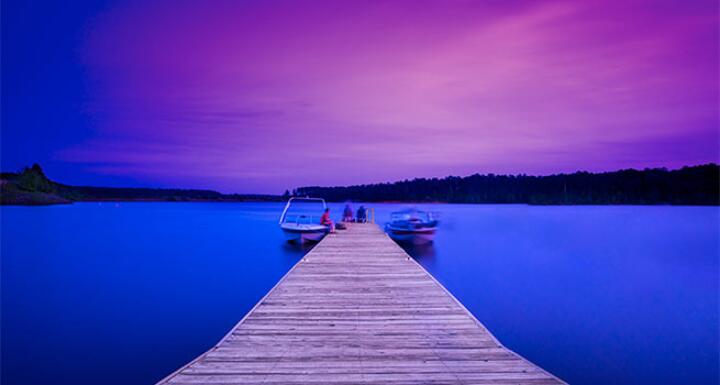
x,y
697,185
89,193
30,186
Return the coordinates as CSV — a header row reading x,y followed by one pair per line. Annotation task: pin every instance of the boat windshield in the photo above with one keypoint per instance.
x,y
412,216
303,210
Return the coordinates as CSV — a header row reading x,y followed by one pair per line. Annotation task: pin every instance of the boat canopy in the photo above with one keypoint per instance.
x,y
303,210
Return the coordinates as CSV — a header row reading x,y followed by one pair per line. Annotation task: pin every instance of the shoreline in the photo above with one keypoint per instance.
x,y
688,186
149,200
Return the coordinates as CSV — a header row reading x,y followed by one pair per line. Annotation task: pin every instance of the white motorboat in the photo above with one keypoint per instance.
x,y
300,220
412,226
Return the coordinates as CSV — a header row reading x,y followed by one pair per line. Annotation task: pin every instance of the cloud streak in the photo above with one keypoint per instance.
x,y
260,96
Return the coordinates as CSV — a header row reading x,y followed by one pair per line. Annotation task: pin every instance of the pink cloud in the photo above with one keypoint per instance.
x,y
260,96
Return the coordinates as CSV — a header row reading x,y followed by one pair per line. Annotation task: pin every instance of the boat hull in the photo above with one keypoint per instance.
x,y
304,235
414,237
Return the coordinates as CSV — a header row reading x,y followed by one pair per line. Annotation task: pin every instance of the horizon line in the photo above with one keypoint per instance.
x,y
386,182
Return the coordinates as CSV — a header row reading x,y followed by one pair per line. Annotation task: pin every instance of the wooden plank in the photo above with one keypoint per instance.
x,y
358,310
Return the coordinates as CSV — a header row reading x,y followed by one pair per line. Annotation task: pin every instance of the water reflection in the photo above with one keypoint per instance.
x,y
297,250
422,253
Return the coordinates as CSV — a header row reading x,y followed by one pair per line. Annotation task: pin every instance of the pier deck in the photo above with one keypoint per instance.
x,y
358,310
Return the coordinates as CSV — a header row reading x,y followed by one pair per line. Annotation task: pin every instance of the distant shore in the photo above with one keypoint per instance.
x,y
30,187
693,186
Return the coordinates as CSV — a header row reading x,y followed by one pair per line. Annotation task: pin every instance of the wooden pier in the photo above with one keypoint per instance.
x,y
358,310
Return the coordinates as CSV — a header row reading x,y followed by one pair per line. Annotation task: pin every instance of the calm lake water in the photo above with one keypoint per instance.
x,y
127,293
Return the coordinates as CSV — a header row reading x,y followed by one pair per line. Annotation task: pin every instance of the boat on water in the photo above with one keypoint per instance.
x,y
300,220
412,226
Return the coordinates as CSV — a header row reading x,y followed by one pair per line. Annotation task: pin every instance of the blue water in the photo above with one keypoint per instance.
x,y
126,293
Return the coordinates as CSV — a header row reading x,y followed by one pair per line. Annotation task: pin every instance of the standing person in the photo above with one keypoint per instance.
x,y
325,220
348,213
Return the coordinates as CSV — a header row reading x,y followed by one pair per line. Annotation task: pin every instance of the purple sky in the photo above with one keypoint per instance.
x,y
259,96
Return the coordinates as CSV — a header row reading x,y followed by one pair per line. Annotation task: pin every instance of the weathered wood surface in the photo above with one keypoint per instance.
x,y
358,310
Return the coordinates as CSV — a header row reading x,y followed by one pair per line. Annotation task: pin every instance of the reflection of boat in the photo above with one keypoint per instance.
x,y
425,251
300,220
412,226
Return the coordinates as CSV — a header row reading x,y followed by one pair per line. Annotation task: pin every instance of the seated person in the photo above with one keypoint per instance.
x,y
348,213
325,220
362,215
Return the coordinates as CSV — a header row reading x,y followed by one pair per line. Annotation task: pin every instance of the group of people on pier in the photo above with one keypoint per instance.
x,y
360,216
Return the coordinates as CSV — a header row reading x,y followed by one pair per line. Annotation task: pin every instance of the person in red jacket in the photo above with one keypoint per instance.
x,y
325,220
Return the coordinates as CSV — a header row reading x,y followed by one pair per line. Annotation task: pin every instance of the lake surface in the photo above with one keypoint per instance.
x,y
126,293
